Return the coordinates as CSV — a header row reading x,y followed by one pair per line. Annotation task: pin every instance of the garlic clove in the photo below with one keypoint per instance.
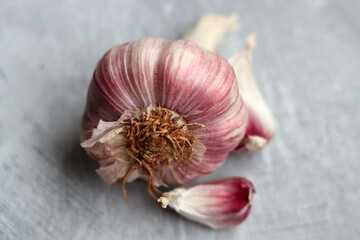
x,y
219,204
261,126
209,31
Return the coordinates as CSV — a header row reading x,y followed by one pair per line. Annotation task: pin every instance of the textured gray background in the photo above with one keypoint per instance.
x,y
307,62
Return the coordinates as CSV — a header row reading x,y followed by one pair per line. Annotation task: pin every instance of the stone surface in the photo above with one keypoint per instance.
x,y
307,65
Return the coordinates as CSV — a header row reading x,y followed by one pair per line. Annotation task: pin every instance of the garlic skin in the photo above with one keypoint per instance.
x,y
219,204
261,126
178,76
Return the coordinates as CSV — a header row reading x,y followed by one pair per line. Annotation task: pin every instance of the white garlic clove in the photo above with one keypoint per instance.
x,y
209,31
219,204
261,126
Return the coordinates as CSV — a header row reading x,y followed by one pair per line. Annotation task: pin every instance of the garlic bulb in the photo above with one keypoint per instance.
x,y
219,204
166,111
171,111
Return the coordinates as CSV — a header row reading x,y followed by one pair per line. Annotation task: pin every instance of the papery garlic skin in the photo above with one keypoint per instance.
x,y
219,204
261,126
189,81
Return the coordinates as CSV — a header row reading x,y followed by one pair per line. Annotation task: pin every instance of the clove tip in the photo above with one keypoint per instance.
x,y
164,202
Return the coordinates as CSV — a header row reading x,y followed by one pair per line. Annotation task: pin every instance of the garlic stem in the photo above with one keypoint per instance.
x,y
209,31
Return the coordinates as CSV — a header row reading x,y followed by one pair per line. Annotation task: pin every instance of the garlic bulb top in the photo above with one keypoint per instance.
x,y
167,111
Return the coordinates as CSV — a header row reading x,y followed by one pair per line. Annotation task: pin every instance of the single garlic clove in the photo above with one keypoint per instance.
x,y
209,31
261,126
219,204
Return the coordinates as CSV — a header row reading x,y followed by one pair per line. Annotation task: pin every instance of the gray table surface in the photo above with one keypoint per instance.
x,y
307,63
